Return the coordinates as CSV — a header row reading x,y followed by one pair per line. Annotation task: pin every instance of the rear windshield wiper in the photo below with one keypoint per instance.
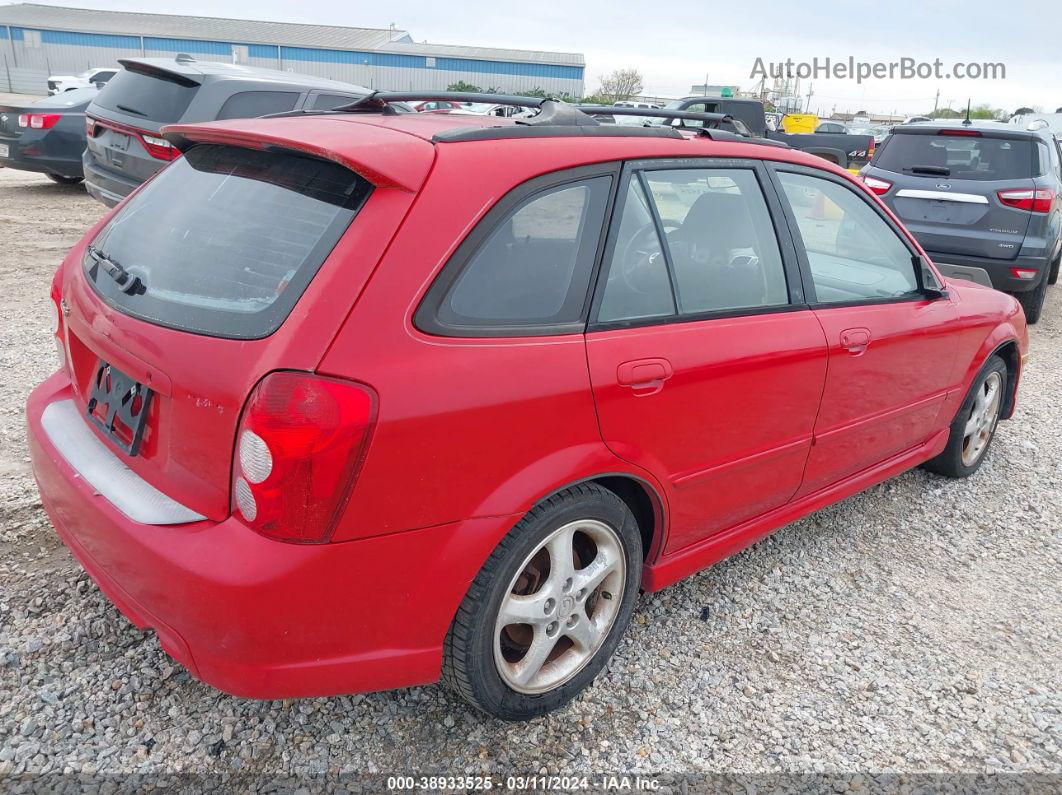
x,y
937,171
127,282
127,109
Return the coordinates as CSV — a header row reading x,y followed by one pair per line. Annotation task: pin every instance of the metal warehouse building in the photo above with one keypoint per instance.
x,y
38,40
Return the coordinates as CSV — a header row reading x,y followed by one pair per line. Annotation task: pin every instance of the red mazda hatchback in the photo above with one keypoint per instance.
x,y
360,400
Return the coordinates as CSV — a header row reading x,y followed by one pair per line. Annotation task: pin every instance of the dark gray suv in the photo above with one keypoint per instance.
x,y
984,199
123,122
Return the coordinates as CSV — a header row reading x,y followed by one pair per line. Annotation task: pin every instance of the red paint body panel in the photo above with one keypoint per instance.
x,y
730,431
733,426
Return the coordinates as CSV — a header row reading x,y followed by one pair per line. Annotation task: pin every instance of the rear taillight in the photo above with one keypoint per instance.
x,y
878,186
90,127
300,445
38,121
1023,273
1033,201
159,147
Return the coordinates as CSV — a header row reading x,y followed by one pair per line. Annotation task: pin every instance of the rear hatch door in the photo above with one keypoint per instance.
x,y
232,263
127,115
946,186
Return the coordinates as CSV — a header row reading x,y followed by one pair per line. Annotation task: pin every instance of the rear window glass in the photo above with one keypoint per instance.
x,y
149,97
248,104
959,156
225,240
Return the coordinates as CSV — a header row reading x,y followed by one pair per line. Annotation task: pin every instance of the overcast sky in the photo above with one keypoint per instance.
x,y
674,44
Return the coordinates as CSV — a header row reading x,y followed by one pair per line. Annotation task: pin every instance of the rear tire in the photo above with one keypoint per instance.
x,y
59,179
549,606
1032,301
974,427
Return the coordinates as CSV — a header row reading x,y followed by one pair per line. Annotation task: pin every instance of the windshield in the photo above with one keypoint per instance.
x,y
225,240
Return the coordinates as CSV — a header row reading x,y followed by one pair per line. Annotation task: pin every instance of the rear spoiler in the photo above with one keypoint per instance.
x,y
153,70
383,157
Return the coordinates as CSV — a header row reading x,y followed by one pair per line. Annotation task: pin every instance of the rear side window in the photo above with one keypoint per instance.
x,y
532,271
249,104
959,156
225,240
156,98
719,251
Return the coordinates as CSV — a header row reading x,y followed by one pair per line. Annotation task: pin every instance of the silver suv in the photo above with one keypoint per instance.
x,y
984,199
123,122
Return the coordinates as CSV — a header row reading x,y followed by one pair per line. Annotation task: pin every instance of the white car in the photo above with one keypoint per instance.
x,y
58,84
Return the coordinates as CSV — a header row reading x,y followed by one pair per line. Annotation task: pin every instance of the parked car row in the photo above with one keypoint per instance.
x,y
350,420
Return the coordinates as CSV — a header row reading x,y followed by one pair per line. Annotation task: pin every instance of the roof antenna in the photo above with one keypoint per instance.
x,y
966,121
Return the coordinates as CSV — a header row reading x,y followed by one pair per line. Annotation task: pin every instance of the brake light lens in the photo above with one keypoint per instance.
x,y
38,121
961,133
1023,273
878,186
159,147
90,127
57,322
301,443
1033,201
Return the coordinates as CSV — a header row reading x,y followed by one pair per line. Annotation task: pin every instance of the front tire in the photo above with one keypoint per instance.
x,y
59,179
549,606
974,427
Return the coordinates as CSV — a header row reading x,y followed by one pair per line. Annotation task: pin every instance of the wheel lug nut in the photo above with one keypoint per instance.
x,y
581,594
552,628
549,605
573,619
568,584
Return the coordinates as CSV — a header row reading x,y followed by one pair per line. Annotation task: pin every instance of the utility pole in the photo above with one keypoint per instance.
x,y
811,91
936,103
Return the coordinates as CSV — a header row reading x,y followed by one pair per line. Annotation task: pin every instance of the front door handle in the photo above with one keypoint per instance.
x,y
855,340
644,376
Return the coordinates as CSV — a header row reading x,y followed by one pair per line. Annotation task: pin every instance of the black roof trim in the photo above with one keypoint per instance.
x,y
463,134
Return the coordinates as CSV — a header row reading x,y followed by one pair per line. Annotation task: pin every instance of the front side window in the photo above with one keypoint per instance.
x,y
533,268
854,255
720,251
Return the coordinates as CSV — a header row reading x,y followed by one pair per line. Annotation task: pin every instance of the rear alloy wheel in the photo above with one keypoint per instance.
x,y
59,179
549,606
974,426
1032,301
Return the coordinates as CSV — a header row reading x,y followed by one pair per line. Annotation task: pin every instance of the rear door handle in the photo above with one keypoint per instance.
x,y
855,340
644,376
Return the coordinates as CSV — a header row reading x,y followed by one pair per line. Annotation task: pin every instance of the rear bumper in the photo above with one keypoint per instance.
x,y
104,185
47,164
258,618
990,272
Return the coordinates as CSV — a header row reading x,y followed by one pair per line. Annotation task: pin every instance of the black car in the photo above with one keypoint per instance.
x,y
47,136
125,146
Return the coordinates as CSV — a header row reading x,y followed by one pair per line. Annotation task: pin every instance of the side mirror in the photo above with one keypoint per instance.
x,y
927,281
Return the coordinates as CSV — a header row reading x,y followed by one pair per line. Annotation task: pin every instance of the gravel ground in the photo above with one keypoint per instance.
x,y
916,627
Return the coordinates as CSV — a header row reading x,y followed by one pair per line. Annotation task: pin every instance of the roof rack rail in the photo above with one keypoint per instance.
x,y
555,117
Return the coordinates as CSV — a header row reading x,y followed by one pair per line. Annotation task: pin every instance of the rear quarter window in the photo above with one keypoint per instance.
x,y
225,240
249,104
152,97
960,156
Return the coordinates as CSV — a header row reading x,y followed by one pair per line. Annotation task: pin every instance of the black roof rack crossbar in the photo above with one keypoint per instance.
x,y
377,100
656,113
